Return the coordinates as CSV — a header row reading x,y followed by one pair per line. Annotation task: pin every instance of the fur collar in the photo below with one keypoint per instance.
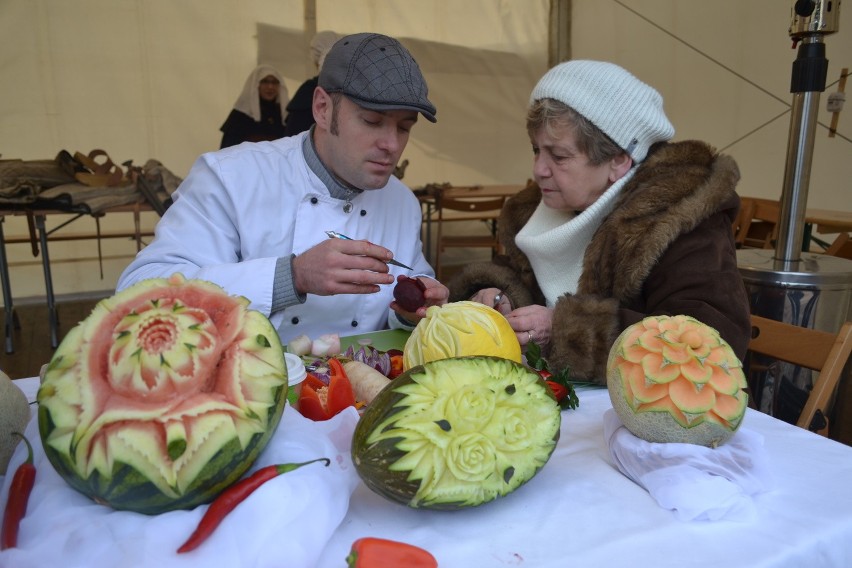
x,y
677,187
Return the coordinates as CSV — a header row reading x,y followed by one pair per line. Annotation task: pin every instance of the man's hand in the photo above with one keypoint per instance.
x,y
338,266
436,294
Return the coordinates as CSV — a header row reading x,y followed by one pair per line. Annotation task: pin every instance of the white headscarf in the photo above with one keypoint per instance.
x,y
320,45
249,100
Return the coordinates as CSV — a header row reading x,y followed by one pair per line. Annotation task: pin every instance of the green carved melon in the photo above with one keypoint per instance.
x,y
674,379
163,396
456,433
14,415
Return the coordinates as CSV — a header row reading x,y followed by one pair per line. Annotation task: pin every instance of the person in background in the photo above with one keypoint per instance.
x,y
253,218
620,224
259,111
299,115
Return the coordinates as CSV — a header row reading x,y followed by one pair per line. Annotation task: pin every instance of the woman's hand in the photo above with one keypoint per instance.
x,y
532,323
436,294
495,298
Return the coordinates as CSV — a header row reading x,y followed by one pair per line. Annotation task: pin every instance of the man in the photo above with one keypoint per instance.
x,y
253,218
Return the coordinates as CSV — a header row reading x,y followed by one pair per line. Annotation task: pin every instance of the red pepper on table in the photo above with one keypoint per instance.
x,y
19,494
370,552
233,496
318,404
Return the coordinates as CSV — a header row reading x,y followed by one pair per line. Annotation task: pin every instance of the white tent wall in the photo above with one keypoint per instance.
x,y
156,78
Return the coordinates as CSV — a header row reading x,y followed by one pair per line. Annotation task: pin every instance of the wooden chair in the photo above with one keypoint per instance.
x,y
756,225
841,246
813,349
453,210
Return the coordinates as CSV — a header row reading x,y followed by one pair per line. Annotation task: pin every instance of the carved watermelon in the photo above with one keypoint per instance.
x,y
163,396
674,379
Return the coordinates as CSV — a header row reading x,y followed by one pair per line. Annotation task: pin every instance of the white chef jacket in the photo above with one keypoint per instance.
x,y
242,208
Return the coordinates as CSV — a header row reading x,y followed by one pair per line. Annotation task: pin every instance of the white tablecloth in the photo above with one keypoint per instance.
x,y
580,511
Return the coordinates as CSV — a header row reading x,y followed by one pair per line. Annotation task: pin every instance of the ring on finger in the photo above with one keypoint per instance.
x,y
529,336
497,298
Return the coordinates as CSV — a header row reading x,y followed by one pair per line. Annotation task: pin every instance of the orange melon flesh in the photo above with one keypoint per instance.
x,y
674,379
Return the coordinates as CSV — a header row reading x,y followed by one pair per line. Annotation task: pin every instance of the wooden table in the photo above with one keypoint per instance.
x,y
38,238
824,222
428,199
829,221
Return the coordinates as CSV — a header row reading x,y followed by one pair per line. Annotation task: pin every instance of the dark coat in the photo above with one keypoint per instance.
x,y
667,248
240,127
300,114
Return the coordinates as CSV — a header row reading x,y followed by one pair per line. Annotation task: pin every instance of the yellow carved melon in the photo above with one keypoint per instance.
x,y
674,379
459,329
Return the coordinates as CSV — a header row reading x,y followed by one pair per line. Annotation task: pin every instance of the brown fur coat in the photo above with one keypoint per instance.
x,y
667,248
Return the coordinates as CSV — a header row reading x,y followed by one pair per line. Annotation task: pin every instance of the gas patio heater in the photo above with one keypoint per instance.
x,y
786,284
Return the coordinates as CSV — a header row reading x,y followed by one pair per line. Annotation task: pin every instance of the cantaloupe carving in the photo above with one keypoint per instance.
x,y
674,379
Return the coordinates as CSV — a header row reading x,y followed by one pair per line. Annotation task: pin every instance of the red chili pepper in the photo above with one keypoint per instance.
x,y
233,496
372,552
320,402
559,391
19,494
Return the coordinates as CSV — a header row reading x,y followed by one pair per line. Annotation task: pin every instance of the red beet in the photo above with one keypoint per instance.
x,y
408,293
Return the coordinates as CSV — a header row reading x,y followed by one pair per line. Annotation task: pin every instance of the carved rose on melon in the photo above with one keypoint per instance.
x,y
163,396
674,379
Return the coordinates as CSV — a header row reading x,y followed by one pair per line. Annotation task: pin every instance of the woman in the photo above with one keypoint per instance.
x,y
620,224
258,113
300,115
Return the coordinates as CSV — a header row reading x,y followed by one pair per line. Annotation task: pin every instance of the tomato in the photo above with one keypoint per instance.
x,y
396,366
319,401
559,391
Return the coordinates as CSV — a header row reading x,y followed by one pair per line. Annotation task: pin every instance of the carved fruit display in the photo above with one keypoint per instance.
x,y
674,379
459,329
163,396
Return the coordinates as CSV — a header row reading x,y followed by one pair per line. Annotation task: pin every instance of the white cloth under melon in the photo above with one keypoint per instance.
x,y
286,522
555,242
696,482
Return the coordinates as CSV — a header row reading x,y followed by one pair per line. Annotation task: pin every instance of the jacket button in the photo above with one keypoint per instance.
x,y
314,200
354,323
294,321
363,213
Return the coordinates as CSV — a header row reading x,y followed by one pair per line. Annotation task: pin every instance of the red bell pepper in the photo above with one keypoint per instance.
x,y
372,552
319,401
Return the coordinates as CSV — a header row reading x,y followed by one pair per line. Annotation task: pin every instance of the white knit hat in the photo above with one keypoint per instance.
x,y
623,107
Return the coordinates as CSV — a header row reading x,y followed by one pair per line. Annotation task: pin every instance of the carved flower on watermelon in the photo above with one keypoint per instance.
x,y
674,379
163,396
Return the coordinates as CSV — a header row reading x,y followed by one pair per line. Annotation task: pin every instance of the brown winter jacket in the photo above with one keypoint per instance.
x,y
667,248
